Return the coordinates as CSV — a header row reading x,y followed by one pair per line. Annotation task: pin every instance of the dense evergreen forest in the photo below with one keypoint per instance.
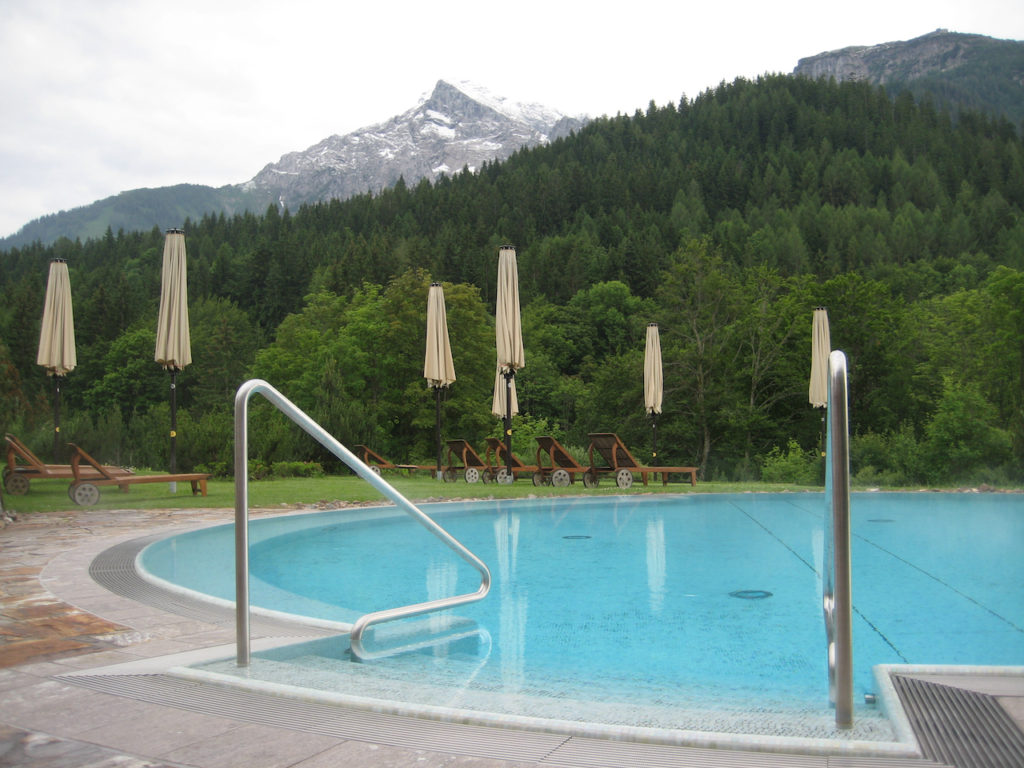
x,y
726,219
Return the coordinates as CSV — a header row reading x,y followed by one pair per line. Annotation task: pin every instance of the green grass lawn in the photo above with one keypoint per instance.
x,y
52,496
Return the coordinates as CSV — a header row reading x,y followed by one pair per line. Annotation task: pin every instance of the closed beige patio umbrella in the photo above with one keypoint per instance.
x,y
438,368
653,382
173,345
821,347
508,333
504,402
57,337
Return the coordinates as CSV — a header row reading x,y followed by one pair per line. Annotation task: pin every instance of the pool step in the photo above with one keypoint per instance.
x,y
114,569
965,728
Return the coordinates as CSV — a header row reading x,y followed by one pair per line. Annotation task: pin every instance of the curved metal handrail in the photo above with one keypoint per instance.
x,y
836,591
318,433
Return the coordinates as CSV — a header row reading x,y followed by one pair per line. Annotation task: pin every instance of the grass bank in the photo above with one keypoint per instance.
x,y
51,495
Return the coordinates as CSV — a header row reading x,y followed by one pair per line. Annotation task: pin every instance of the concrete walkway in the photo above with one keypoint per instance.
x,y
54,620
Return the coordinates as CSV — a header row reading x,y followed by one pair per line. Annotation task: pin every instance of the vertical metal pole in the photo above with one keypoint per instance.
x,y
437,433
654,445
174,427
56,419
839,467
242,525
508,421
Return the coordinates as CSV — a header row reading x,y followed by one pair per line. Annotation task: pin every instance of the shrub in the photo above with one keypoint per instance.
x,y
296,469
795,465
216,469
961,440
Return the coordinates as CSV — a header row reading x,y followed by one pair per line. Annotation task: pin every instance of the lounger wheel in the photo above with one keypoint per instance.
x,y
84,494
487,476
448,475
590,479
16,485
504,477
538,479
375,469
623,478
472,474
560,478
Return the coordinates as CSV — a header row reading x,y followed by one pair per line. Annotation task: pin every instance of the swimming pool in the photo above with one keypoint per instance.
x,y
671,612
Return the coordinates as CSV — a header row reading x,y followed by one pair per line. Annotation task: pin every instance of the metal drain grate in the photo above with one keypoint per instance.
x,y
964,728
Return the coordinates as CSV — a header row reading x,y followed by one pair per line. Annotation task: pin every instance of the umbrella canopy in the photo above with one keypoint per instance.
x,y
502,390
653,382
508,326
508,335
173,346
438,368
821,346
57,337
57,334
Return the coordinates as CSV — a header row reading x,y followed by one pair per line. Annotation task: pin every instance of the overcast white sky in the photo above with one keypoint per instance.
x,y
103,96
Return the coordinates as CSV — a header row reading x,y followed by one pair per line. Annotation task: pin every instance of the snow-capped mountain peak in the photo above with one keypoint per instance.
x,y
451,128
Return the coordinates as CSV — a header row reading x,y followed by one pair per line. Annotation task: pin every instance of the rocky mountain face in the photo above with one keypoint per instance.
x,y
455,127
938,51
955,72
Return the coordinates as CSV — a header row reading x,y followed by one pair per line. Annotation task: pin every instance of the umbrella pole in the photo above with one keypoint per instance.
x,y
437,419
824,436
56,419
508,421
654,431
174,426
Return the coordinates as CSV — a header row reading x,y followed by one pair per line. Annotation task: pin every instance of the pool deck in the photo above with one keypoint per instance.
x,y
55,621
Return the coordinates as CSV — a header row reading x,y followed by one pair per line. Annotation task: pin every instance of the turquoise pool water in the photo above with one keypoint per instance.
x,y
634,609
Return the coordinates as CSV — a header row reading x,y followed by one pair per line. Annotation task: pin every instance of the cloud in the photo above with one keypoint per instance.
x,y
111,95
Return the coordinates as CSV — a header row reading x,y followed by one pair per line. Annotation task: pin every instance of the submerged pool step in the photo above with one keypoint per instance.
x,y
114,569
965,728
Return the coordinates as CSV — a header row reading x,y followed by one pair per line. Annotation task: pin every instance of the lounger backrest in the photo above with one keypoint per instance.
x,y
613,450
466,452
77,454
367,455
495,445
20,449
556,452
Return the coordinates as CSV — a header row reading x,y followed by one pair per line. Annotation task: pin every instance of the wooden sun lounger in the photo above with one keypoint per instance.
x,y
496,457
23,465
376,462
562,468
620,462
85,488
468,461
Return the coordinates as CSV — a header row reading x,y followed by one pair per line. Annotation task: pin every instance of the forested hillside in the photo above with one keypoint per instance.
x,y
726,219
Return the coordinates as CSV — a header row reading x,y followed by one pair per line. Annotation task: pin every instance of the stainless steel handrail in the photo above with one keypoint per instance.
x,y
836,591
293,412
